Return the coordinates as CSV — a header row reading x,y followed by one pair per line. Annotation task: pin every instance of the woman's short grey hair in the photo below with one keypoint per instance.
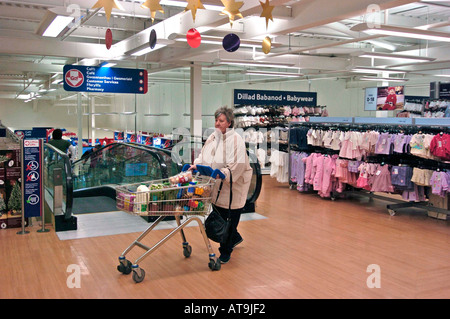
x,y
228,114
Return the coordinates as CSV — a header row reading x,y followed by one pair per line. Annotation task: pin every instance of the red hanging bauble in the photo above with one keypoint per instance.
x,y
193,38
108,39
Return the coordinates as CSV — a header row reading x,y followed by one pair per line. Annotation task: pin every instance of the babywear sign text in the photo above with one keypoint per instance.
x,y
268,97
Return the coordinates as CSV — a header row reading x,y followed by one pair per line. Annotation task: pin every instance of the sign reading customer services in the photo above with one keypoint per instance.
x,y
80,78
266,97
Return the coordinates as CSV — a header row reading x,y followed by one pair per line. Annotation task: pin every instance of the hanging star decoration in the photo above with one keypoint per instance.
x,y
108,5
154,6
193,5
232,10
267,12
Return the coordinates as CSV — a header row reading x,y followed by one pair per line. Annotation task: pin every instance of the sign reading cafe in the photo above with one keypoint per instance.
x,y
79,78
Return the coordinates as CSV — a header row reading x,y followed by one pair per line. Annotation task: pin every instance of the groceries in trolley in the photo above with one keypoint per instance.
x,y
177,195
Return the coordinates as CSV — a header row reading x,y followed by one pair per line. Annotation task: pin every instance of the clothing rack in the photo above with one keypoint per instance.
x,y
390,125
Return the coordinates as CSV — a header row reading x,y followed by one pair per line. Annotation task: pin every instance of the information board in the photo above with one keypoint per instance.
x,y
384,98
32,177
444,90
370,99
80,78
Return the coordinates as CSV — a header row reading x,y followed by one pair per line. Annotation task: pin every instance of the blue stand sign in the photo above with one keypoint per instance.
x,y
80,78
32,177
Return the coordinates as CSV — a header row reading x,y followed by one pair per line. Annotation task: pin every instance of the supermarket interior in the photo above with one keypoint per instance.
x,y
113,155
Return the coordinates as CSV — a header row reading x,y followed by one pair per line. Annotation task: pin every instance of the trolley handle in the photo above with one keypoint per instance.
x,y
205,170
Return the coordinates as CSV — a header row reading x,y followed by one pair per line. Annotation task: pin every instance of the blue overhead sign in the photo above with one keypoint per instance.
x,y
80,78
267,97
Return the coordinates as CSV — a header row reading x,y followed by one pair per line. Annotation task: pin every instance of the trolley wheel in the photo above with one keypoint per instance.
x,y
214,264
124,268
187,250
391,212
138,274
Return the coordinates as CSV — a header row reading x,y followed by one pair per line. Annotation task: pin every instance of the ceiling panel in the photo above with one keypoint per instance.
x,y
315,34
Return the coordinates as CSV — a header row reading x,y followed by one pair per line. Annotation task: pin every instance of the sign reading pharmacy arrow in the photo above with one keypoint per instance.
x,y
80,78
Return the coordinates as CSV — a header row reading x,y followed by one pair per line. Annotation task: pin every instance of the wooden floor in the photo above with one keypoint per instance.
x,y
307,247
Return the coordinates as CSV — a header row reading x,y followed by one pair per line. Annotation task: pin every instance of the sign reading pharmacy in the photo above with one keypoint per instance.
x,y
80,78
266,97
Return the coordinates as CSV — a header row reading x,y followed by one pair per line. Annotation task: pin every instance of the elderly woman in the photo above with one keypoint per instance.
x,y
225,150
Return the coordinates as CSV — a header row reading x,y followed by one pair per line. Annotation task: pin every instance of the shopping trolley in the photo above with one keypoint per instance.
x,y
183,195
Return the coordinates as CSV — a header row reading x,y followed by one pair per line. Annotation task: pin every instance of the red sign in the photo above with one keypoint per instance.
x,y
74,78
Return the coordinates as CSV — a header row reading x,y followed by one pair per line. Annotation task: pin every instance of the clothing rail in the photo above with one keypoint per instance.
x,y
391,125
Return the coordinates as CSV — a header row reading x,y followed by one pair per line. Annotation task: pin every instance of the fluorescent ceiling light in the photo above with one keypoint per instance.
x,y
392,56
279,74
55,21
361,69
106,64
102,113
56,27
209,39
87,62
188,114
145,49
162,114
183,5
370,78
402,32
256,63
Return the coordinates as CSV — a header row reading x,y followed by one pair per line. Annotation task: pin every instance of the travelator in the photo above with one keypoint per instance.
x,y
97,174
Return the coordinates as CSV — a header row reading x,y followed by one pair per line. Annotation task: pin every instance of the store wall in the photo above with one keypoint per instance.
x,y
16,114
340,98
340,101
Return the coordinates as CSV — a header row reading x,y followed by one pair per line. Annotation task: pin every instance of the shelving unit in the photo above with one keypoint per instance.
x,y
400,124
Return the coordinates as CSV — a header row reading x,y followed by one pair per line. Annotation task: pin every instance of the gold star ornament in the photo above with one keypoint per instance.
x,y
232,9
193,5
154,6
267,12
108,5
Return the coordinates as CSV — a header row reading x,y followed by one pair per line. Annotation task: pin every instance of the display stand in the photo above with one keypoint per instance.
x,y
432,124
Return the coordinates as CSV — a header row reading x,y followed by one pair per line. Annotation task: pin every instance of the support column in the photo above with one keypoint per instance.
x,y
92,110
196,100
80,126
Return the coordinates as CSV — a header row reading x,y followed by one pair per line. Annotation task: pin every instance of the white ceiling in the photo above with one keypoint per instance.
x,y
312,35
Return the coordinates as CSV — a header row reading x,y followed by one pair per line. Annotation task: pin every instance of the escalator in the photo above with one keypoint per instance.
x,y
88,184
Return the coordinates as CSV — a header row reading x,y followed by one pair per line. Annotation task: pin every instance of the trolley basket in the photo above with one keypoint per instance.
x,y
182,195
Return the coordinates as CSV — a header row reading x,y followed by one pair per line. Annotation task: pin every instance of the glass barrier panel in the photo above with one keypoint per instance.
x,y
116,164
56,160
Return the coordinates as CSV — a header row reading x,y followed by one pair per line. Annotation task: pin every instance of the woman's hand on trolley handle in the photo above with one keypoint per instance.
x,y
216,173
